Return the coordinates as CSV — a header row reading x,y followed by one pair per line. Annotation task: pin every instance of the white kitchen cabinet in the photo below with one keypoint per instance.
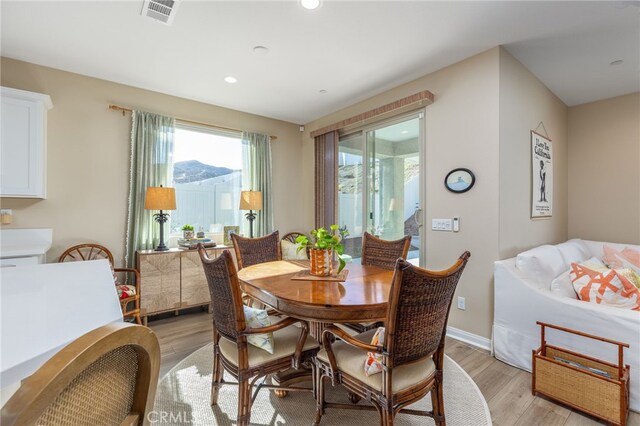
x,y
23,144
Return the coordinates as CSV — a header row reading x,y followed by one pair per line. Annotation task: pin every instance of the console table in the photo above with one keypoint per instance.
x,y
173,280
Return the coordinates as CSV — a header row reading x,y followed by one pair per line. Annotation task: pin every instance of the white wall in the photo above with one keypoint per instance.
x,y
524,103
604,170
88,156
461,131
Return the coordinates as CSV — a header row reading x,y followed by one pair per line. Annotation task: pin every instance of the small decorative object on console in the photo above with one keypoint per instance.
x,y
192,243
187,231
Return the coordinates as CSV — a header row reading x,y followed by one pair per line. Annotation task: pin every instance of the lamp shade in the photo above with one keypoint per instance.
x,y
160,198
251,200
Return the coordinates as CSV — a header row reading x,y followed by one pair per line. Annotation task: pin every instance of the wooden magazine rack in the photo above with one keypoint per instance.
x,y
591,385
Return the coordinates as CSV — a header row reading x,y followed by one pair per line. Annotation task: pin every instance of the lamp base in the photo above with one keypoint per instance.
x,y
161,248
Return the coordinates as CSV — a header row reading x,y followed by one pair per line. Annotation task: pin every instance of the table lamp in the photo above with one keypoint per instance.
x,y
251,200
160,198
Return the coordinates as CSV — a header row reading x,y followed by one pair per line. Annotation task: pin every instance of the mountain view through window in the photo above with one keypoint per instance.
x,y
207,176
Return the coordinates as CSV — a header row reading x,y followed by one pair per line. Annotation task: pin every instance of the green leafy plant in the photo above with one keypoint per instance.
x,y
323,239
187,227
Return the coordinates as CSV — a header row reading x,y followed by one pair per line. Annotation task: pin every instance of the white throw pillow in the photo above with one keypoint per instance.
x,y
573,251
541,264
256,318
561,286
290,251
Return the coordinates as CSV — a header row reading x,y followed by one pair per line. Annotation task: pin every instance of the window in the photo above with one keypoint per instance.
x,y
207,176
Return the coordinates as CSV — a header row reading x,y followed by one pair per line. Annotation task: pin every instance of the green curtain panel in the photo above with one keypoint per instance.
x,y
256,176
151,165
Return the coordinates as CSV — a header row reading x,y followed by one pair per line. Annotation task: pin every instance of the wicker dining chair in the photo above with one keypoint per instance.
x,y
291,237
251,251
412,353
130,304
231,352
381,253
108,376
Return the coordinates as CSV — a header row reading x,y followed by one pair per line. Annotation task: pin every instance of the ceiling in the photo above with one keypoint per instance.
x,y
352,50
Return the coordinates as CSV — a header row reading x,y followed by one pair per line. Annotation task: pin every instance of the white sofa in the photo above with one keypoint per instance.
x,y
523,296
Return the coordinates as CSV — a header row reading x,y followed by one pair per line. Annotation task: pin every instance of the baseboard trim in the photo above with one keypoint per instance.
x,y
470,338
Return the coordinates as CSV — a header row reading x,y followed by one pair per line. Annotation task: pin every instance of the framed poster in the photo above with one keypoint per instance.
x,y
228,230
541,176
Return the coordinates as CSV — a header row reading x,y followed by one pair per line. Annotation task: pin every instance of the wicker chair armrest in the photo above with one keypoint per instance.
x,y
346,337
129,299
132,270
271,328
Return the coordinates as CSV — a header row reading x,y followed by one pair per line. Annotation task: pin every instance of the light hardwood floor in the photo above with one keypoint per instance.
x,y
506,389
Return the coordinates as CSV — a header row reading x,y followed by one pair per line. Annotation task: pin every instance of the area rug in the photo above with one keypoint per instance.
x,y
183,399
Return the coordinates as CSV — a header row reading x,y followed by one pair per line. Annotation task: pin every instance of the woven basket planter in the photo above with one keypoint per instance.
x,y
321,262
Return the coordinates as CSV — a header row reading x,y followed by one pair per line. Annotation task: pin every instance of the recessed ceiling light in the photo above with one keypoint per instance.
x,y
404,132
230,79
616,62
260,50
310,4
322,91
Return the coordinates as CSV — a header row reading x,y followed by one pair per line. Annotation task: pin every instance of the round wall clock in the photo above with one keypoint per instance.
x,y
459,180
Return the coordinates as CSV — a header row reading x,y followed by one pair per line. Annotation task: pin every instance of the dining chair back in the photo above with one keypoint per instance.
x,y
384,253
130,303
412,352
107,376
251,251
231,351
381,253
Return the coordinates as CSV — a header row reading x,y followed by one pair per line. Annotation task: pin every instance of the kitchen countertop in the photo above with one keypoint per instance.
x,y
25,242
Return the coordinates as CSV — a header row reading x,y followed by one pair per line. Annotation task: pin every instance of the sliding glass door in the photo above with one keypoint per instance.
x,y
380,183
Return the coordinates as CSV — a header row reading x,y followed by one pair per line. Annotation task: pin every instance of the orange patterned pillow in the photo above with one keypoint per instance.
x,y
607,288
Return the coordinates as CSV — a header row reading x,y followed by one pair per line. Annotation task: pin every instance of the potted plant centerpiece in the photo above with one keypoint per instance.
x,y
187,231
322,245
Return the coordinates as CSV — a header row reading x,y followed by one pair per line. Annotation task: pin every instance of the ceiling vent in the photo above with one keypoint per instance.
x,y
160,10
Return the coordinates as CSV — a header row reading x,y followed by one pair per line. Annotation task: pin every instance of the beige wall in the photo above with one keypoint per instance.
x,y
604,170
88,156
461,131
524,103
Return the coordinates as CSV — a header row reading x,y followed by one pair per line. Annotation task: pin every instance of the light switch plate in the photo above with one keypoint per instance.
x,y
441,224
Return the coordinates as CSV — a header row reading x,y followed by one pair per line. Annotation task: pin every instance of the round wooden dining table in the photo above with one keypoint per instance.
x,y
362,297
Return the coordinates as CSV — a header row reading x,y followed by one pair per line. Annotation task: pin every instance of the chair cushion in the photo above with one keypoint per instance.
x,y
290,251
350,360
125,291
284,346
257,318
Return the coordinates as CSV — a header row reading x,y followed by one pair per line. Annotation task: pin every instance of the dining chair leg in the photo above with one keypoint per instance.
x,y
437,401
216,380
319,398
244,401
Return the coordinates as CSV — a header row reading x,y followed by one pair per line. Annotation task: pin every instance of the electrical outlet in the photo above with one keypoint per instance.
x,y
461,303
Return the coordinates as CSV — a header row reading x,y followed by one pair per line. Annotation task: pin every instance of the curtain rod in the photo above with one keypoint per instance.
x,y
198,123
